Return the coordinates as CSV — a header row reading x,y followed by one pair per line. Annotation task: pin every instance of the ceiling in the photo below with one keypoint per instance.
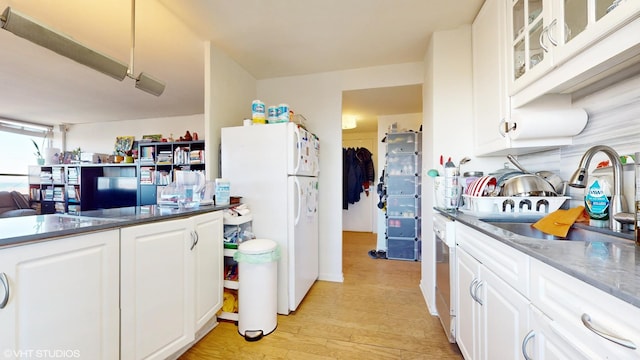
x,y
267,38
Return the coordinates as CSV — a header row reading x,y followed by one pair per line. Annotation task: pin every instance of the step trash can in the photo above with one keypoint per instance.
x,y
258,288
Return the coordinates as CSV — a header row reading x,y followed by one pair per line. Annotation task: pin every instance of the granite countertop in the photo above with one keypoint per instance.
x,y
613,267
24,230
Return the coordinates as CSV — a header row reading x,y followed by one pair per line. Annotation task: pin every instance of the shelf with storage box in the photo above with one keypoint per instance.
x,y
402,179
70,188
55,188
236,230
158,160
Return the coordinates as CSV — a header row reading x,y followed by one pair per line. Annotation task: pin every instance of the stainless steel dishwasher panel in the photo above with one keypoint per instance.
x,y
444,233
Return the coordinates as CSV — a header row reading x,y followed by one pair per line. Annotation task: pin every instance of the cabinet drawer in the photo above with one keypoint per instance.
x,y
509,264
565,299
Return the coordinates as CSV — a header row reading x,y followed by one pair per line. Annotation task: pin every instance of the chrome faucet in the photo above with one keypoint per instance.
x,y
579,180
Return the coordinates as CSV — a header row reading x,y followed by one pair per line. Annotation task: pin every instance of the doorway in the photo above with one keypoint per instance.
x,y
374,110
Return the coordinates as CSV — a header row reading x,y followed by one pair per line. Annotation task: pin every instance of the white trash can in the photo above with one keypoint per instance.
x,y
258,284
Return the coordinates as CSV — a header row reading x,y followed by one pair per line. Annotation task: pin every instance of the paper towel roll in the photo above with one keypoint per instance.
x,y
539,124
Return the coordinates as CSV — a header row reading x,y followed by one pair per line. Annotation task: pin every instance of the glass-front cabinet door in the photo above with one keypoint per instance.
x,y
529,21
581,23
547,33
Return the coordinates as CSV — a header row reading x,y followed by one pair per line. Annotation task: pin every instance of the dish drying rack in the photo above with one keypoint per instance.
x,y
511,206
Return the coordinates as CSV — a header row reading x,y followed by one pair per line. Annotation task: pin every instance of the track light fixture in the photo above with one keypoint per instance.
x,y
27,28
144,82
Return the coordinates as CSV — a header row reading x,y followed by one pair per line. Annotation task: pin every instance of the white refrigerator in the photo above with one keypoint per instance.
x,y
274,168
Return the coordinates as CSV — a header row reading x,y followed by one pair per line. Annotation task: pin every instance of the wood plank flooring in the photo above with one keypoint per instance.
x,y
377,313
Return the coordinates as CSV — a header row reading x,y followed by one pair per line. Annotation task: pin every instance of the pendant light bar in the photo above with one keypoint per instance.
x,y
29,29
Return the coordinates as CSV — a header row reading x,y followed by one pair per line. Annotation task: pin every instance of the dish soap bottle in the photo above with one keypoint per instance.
x,y
597,199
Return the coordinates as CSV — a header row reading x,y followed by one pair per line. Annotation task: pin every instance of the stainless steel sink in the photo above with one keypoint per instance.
x,y
577,232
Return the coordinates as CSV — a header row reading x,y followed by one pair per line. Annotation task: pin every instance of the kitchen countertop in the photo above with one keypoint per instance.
x,y
613,267
24,230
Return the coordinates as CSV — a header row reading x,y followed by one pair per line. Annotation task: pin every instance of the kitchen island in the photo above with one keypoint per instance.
x,y
127,283
544,298
29,229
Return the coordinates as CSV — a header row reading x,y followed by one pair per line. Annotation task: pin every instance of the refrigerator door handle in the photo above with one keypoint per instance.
x,y
297,150
296,184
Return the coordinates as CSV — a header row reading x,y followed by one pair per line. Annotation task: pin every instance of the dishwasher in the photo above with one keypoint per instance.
x,y
444,233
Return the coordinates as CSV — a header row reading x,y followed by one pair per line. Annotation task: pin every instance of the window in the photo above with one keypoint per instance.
x,y
17,153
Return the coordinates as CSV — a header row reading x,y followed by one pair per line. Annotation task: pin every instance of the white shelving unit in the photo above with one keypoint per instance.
x,y
239,224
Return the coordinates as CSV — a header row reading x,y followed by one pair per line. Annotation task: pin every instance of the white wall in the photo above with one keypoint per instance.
x,y
319,98
447,129
404,121
101,137
229,91
361,216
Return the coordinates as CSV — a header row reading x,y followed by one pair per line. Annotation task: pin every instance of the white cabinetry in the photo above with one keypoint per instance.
x,y
492,69
208,266
62,298
490,99
170,283
587,318
528,24
547,341
157,289
493,315
560,46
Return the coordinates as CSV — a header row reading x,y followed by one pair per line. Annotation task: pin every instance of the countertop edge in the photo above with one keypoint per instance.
x,y
533,247
101,220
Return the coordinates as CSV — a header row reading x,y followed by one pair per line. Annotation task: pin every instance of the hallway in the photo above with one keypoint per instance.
x,y
377,313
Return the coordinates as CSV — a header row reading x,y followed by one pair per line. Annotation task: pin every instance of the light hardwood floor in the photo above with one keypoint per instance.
x,y
377,313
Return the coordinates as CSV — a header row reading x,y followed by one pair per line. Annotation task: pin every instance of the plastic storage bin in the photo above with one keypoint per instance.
x,y
403,227
403,185
403,249
257,293
403,206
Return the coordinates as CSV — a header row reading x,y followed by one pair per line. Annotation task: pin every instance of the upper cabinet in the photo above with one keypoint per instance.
x,y
499,129
559,46
490,99
528,23
529,56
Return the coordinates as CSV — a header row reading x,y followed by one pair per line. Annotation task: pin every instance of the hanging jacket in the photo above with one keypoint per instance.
x,y
365,162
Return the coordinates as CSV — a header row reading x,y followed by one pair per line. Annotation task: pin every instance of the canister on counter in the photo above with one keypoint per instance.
x,y
258,112
272,114
283,113
470,177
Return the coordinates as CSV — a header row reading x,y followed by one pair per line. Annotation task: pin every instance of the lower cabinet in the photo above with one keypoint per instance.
x,y
512,306
492,316
600,325
208,267
157,285
547,341
170,283
60,298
